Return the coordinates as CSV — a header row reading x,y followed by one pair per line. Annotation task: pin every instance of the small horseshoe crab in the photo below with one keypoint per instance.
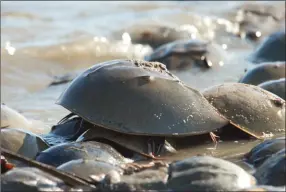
x,y
273,170
264,150
35,176
11,118
271,49
182,54
150,101
68,129
154,35
22,142
84,168
206,173
276,87
62,153
264,72
253,110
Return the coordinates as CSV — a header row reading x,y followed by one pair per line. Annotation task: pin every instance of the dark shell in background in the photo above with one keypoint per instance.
x,y
264,150
149,100
68,129
62,153
258,20
276,87
271,49
206,173
62,79
182,54
22,142
273,170
264,72
252,109
30,179
84,168
153,35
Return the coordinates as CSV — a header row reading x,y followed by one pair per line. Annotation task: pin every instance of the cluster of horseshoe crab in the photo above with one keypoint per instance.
x,y
126,115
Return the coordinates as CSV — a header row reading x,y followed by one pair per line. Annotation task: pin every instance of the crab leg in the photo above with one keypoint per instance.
x,y
213,137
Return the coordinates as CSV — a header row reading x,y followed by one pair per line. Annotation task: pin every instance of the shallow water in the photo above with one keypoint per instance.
x,y
43,39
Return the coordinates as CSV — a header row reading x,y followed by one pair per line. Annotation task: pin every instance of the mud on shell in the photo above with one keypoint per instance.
x,y
139,98
250,108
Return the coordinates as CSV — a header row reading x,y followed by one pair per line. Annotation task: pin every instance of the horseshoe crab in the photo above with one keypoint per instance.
x,y
264,150
206,173
35,176
182,54
146,90
200,173
150,179
264,72
30,179
126,145
253,110
62,153
85,168
276,87
68,129
10,118
22,142
271,49
273,170
154,35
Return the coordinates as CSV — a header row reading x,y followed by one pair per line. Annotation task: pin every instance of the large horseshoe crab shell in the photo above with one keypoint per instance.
x,y
181,54
139,98
252,109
